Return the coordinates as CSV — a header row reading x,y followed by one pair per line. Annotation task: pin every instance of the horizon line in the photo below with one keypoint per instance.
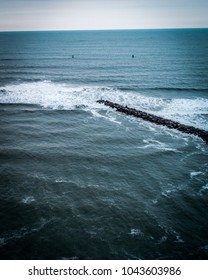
x,y
113,29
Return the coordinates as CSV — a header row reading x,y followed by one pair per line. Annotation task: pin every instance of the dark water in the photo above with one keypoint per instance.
x,y
81,181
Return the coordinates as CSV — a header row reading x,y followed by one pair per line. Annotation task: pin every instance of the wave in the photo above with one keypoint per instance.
x,y
28,199
184,89
195,173
22,232
136,232
177,89
157,145
50,95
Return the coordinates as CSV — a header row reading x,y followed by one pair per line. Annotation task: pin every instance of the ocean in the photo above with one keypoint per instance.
x,y
79,180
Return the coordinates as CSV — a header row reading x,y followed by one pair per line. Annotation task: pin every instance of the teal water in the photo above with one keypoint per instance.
x,y
79,180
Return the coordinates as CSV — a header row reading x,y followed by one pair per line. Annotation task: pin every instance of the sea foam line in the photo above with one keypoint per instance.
x,y
18,234
157,120
50,95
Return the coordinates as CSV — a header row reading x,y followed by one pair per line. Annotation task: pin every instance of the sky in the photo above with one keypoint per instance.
x,y
101,14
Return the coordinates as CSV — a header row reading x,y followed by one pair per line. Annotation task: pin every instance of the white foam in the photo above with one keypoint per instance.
x,y
51,95
179,239
108,117
203,190
154,144
205,187
186,111
136,232
67,97
186,107
60,180
195,173
28,199
155,201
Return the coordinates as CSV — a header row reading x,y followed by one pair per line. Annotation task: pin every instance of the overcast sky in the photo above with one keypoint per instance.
x,y
101,14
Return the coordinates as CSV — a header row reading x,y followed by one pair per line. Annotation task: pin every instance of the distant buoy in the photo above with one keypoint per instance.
x,y
132,56
72,56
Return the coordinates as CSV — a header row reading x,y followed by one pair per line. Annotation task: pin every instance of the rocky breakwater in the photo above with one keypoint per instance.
x,y
157,120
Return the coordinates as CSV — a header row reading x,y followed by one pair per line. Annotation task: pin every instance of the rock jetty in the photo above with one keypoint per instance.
x,y
157,120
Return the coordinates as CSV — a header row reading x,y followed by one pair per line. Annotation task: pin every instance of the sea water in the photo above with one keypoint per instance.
x,y
79,180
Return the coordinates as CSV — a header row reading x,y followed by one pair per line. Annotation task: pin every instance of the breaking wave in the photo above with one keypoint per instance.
x,y
55,96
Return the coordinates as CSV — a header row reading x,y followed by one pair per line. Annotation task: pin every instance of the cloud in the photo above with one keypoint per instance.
x,y
105,14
